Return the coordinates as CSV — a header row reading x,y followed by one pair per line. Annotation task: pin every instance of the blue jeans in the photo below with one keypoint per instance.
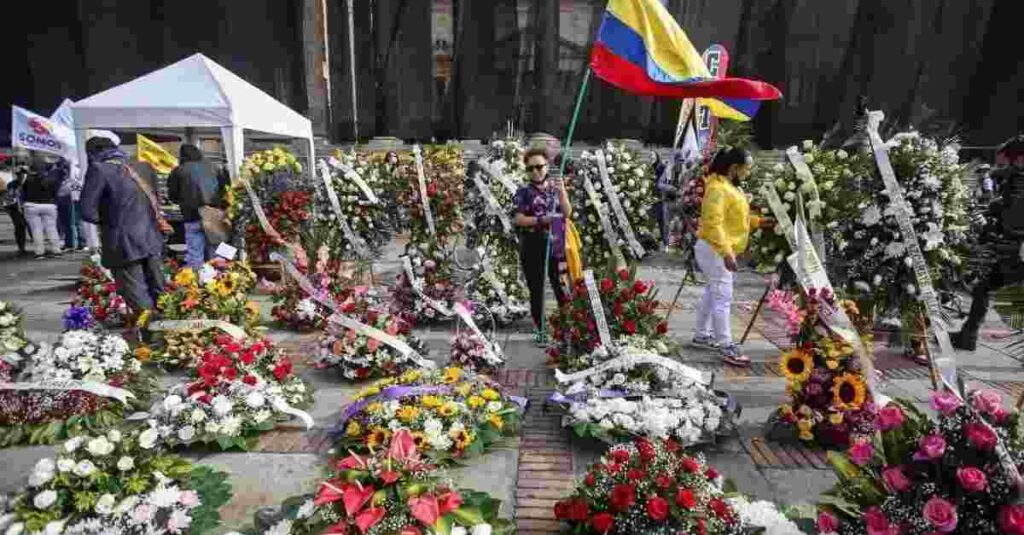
x,y
195,244
69,222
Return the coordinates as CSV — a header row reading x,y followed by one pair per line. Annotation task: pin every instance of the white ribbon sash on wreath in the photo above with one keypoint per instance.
x,y
417,287
257,208
352,175
492,279
467,318
338,319
810,273
198,325
598,309
620,214
423,190
92,387
946,362
280,405
492,203
332,195
803,172
782,220
303,282
628,361
499,175
350,235
606,225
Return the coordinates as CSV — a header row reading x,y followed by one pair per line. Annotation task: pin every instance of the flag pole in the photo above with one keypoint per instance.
x,y
566,152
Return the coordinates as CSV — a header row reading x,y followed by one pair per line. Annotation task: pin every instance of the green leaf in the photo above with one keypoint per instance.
x,y
443,526
468,516
225,442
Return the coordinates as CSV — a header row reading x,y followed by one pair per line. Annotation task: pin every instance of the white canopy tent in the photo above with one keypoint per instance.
x,y
194,93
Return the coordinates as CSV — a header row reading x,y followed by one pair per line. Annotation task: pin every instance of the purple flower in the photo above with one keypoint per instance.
x,y
77,318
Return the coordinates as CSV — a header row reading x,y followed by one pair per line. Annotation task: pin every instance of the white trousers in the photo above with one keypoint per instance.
x,y
92,235
42,219
714,307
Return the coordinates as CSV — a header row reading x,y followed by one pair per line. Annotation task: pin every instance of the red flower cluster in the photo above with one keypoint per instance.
x,y
654,481
229,359
287,215
99,294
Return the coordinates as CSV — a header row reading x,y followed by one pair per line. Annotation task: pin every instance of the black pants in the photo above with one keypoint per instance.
x,y
20,225
140,283
532,246
1008,270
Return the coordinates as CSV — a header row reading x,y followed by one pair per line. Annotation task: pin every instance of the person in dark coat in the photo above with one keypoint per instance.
x,y
130,233
194,184
10,202
39,193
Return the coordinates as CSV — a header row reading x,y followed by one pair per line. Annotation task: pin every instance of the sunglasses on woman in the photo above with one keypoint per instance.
x,y
537,167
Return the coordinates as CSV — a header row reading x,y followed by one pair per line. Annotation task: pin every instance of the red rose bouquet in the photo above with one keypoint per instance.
x,y
920,476
390,492
97,291
650,487
629,309
333,279
829,399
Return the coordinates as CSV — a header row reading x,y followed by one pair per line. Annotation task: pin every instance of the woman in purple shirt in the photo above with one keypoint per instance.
x,y
541,205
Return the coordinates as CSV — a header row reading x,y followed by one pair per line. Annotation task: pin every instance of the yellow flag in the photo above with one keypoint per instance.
x,y
150,151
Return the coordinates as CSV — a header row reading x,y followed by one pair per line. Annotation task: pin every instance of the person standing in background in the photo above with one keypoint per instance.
x,y
10,201
193,185
69,218
40,203
120,197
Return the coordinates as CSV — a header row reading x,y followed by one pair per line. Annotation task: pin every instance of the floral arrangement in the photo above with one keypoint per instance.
x,y
78,318
369,220
921,476
443,172
116,483
650,486
629,308
829,399
764,516
45,416
502,258
358,356
470,351
683,233
837,177
633,181
451,414
13,342
390,492
97,292
252,362
333,279
432,270
393,185
878,270
284,193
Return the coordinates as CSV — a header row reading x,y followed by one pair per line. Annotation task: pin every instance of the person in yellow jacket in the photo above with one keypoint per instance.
x,y
725,225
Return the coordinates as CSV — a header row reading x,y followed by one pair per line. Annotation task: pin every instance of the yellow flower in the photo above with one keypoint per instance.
x,y
408,414
463,389
143,318
462,439
848,392
796,365
491,395
387,381
806,435
475,402
252,308
185,277
431,402
832,363
143,353
805,427
496,421
786,409
452,375
835,418
377,437
353,429
367,392
410,376
419,439
375,407
448,409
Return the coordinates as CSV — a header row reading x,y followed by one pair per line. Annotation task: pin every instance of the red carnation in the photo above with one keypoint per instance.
x,y
657,508
685,499
590,480
607,285
721,510
623,274
602,522
620,456
623,497
662,327
639,287
249,379
691,465
205,398
629,326
282,369
711,473
636,474
617,309
663,482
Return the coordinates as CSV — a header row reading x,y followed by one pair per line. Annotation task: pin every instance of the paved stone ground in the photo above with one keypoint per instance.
x,y
531,472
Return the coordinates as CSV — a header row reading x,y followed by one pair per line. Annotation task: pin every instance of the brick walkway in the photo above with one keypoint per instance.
x,y
545,467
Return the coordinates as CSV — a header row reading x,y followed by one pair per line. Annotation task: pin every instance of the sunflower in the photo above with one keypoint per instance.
x,y
410,376
252,309
375,408
448,409
353,429
463,389
491,395
796,365
496,421
377,437
407,414
185,277
419,439
848,392
475,402
431,402
462,438
452,375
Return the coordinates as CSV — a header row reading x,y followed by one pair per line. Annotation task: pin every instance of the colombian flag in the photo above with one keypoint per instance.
x,y
640,49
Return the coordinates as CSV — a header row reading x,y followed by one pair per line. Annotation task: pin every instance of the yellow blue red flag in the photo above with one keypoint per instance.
x,y
640,49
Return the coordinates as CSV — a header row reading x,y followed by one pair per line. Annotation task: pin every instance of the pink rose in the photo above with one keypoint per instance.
x,y
980,436
876,521
861,452
890,417
896,479
827,522
930,448
945,402
941,514
987,401
1011,519
971,479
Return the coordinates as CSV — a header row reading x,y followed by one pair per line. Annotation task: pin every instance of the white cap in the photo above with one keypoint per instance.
x,y
89,134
